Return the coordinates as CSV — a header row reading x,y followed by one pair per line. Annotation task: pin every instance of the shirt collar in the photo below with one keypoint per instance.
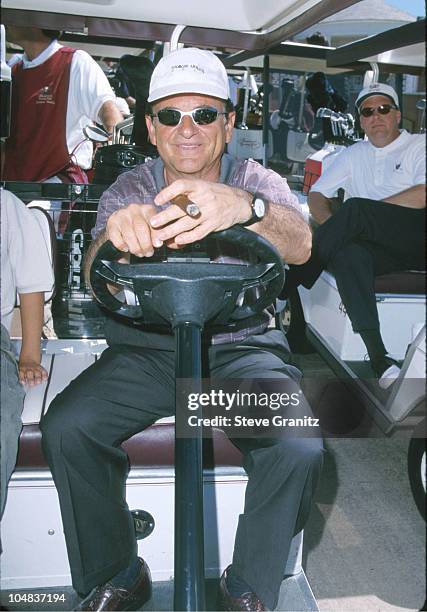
x,y
227,166
42,57
395,144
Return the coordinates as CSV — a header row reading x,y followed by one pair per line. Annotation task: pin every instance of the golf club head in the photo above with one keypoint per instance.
x,y
95,133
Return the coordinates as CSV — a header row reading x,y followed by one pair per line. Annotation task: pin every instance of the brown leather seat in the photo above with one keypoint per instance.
x,y
153,447
402,283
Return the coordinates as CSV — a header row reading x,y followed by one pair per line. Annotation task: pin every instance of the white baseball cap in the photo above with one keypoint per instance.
x,y
377,89
189,71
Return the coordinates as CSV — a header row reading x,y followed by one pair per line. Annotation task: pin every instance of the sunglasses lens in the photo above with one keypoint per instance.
x,y
204,116
169,116
201,116
368,111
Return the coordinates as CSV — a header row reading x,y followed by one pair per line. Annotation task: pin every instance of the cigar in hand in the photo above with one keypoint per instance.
x,y
187,205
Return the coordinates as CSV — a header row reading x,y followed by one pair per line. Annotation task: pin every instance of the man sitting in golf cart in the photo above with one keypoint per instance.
x,y
380,228
192,190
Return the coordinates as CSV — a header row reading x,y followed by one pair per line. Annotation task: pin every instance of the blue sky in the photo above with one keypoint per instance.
x,y
415,7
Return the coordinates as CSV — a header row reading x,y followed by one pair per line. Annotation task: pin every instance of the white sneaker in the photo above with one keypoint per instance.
x,y
389,376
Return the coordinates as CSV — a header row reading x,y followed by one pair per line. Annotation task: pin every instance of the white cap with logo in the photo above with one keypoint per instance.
x,y
377,89
189,71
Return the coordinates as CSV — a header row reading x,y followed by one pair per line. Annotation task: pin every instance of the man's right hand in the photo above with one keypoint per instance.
x,y
129,229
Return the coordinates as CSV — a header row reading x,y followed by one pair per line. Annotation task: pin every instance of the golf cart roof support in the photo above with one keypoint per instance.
x,y
265,108
298,49
174,41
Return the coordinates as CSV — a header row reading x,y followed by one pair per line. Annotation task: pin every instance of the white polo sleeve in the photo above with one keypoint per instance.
x,y
25,261
89,87
418,161
28,252
336,176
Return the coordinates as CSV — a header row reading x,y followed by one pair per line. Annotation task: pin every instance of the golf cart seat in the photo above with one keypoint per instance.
x,y
408,282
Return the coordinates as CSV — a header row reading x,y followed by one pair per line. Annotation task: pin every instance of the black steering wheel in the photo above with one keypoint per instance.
x,y
188,282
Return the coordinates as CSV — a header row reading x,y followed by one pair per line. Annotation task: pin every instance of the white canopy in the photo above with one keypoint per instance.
x,y
239,15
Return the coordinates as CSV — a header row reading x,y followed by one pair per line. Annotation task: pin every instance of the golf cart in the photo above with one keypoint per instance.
x,y
34,555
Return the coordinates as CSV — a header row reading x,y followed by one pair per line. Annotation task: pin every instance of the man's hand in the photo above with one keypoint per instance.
x,y
221,206
110,115
129,230
31,373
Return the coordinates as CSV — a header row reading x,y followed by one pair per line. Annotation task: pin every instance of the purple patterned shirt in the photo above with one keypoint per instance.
x,y
141,185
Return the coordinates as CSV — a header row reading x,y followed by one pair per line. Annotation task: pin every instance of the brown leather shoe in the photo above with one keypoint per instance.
x,y
109,597
247,601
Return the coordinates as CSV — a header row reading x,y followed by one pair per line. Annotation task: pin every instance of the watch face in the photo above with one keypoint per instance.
x,y
259,207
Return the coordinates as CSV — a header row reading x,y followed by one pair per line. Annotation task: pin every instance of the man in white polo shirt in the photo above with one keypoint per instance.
x,y
380,227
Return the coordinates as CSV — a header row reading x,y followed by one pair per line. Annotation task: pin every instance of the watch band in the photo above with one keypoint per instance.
x,y
259,207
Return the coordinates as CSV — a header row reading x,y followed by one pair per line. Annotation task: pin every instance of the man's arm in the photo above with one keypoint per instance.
x,y
336,176
31,309
320,206
129,230
287,229
110,115
414,197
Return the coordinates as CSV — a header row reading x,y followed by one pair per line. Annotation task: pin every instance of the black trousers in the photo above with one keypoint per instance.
x,y
362,240
124,392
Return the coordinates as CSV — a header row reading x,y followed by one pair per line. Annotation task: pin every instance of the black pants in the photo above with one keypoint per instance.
x,y
364,239
126,391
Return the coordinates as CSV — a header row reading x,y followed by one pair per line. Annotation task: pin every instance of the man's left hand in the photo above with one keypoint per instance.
x,y
220,207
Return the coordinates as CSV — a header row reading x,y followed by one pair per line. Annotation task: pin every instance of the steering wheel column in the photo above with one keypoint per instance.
x,y
187,292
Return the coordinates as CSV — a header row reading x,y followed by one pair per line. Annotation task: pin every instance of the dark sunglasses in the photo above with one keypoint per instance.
x,y
202,116
384,109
